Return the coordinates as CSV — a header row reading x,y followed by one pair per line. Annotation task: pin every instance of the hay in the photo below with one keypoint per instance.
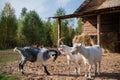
x,y
85,39
108,42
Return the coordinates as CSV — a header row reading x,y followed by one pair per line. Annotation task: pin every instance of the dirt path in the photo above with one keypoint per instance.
x,y
110,69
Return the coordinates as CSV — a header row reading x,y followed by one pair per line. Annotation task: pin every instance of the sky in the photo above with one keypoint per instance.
x,y
45,8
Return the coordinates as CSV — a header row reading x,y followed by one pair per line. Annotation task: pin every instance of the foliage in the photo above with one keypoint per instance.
x,y
47,29
20,38
60,12
33,27
30,29
8,27
66,31
54,32
24,11
79,28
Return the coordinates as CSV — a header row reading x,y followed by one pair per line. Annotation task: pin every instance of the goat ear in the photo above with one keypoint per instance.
x,y
79,44
61,43
75,44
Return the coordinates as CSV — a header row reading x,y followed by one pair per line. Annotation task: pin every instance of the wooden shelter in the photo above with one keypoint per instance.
x,y
99,17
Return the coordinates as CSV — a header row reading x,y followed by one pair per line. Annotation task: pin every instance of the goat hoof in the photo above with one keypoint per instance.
x,y
69,74
86,76
22,73
89,78
98,74
95,74
48,73
77,74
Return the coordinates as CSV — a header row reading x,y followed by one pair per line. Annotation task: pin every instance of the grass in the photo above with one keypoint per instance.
x,y
5,57
8,56
7,60
4,77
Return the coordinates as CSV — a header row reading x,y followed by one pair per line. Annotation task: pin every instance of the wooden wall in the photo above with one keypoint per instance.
x,y
109,23
89,25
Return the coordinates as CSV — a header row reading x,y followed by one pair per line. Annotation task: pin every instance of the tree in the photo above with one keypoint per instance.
x,y
66,31
60,12
32,28
79,28
21,39
47,30
24,11
54,32
8,27
54,28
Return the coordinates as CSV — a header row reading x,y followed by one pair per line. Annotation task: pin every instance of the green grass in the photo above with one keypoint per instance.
x,y
8,56
4,77
8,59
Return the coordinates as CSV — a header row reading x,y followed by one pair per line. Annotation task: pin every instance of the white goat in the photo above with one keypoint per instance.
x,y
66,50
33,54
92,55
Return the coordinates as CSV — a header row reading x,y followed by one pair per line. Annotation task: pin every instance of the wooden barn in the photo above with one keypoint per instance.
x,y
101,18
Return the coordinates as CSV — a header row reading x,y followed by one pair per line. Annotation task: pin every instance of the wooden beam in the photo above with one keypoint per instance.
x,y
89,13
67,16
98,29
59,31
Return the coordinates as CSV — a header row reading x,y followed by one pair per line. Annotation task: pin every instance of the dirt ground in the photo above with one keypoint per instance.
x,y
110,69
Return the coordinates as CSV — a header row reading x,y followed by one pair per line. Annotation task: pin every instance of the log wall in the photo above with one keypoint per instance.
x,y
109,24
89,26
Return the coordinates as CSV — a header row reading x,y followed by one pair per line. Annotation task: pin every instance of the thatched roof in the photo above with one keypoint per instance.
x,y
93,5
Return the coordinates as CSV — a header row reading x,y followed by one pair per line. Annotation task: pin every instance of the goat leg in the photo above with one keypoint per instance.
x,y
45,70
21,68
95,69
21,65
89,77
68,63
99,68
85,70
76,68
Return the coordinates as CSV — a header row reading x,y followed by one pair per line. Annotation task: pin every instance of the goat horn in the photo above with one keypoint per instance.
x,y
60,40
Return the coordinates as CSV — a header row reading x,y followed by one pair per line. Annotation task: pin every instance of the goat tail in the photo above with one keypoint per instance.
x,y
15,49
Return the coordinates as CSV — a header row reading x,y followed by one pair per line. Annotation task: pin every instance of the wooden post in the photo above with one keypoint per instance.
x,y
59,31
98,29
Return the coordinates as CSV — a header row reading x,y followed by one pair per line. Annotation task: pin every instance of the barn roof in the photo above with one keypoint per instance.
x,y
93,7
82,5
96,5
